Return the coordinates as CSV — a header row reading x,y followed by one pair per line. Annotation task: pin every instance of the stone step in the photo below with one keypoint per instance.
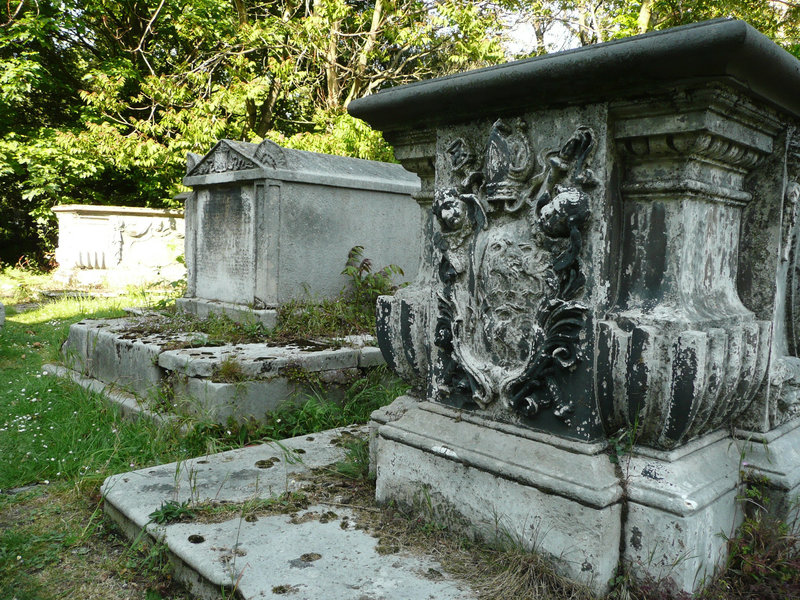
x,y
322,551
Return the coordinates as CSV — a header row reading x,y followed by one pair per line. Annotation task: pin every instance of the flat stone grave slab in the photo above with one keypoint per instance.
x,y
320,551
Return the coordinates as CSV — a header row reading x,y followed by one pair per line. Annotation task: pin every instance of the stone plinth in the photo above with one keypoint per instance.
x,y
118,246
267,224
610,241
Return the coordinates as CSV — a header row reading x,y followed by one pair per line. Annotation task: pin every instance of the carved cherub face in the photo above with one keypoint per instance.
x,y
451,211
555,216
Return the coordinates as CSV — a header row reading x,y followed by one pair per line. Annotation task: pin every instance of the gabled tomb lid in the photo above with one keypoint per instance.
x,y
231,160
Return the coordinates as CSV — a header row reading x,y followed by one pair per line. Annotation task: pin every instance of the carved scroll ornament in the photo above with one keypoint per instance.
x,y
221,160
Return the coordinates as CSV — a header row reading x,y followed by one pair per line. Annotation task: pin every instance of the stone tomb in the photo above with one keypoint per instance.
x,y
267,224
118,246
610,246
169,373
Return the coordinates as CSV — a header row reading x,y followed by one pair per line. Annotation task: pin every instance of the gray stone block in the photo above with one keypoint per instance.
x,y
118,246
504,484
256,556
259,213
682,508
771,463
370,357
258,360
241,401
102,350
236,312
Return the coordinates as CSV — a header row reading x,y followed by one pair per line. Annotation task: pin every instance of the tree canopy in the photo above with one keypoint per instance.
x,y
100,100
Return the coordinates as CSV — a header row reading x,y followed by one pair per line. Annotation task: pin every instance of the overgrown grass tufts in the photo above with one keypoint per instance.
x,y
318,412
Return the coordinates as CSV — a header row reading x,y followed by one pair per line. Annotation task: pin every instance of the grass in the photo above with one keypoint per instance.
x,y
317,413
58,443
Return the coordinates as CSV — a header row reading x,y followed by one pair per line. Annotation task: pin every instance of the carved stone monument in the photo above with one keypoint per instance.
x,y
118,246
610,254
266,224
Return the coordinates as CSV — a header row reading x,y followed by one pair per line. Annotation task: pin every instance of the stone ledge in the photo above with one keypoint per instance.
x,y
505,487
775,455
107,353
258,361
255,556
590,478
680,512
237,312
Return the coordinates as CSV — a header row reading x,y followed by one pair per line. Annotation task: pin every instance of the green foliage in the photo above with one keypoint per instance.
x,y
229,371
590,22
172,512
318,411
304,319
338,133
764,562
365,284
100,102
356,462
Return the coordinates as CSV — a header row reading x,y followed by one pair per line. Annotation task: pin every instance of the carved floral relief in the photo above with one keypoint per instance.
x,y
509,237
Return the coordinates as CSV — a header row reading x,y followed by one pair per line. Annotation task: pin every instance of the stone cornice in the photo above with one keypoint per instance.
x,y
721,50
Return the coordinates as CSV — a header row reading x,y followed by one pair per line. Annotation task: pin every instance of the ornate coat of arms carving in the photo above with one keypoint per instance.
x,y
509,240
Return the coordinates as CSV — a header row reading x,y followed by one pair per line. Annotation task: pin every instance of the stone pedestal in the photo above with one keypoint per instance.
x,y
508,484
610,254
681,509
770,462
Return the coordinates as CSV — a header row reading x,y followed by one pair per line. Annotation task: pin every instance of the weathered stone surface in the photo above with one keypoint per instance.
x,y
258,556
610,247
118,246
258,360
216,401
194,380
103,349
267,224
236,312
501,483
771,464
682,508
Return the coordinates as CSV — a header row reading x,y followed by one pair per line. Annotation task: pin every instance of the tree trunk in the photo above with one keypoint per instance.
x,y
331,76
357,87
645,13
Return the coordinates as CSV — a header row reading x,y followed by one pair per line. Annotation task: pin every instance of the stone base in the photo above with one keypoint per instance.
x,y
563,498
505,483
771,461
110,351
237,312
101,349
682,507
